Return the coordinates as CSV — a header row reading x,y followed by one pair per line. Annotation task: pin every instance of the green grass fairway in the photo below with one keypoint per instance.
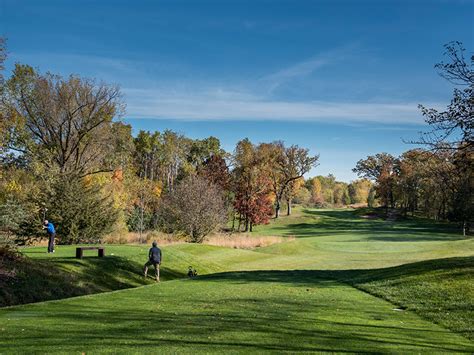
x,y
345,284
274,311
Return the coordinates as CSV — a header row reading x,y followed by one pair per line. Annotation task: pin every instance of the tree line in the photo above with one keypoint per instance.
x,y
436,179
66,155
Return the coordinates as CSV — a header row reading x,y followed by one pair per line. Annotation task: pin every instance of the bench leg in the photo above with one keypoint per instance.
x,y
78,253
101,253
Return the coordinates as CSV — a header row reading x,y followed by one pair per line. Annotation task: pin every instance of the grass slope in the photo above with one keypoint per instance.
x,y
440,290
334,288
255,310
43,276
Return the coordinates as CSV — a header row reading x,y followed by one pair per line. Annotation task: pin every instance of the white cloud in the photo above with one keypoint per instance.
x,y
297,70
189,98
228,105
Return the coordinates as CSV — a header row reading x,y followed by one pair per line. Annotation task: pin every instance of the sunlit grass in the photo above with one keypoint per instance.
x,y
345,283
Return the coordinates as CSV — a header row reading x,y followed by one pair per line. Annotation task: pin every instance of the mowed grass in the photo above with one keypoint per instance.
x,y
345,283
43,276
231,312
342,239
441,290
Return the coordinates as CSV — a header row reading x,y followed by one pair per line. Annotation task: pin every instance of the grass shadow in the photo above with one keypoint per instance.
x,y
206,315
464,265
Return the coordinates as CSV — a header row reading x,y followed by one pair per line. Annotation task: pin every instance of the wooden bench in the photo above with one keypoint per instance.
x,y
80,251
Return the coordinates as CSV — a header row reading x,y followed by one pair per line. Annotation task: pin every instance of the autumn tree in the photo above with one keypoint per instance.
x,y
303,196
359,190
412,172
173,155
341,194
285,165
195,208
66,123
202,150
291,190
382,168
215,170
144,208
63,132
315,187
251,185
463,198
436,183
328,185
453,128
371,197
147,159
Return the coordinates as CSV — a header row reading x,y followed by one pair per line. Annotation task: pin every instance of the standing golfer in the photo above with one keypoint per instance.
x,y
51,234
154,258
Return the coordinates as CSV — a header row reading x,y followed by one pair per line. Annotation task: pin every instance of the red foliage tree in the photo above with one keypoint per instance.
x,y
216,171
252,186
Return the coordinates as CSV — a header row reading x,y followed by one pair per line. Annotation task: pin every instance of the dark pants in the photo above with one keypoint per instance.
x,y
51,242
157,268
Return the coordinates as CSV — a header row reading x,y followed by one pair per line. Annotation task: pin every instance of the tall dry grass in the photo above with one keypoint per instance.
x,y
145,238
244,241
229,240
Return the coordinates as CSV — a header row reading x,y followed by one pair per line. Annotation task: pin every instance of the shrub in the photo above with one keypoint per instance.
x,y
12,215
195,209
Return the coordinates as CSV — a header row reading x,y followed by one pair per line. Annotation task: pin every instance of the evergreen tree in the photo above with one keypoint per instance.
x,y
80,212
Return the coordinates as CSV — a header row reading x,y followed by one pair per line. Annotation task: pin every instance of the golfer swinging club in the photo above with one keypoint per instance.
x,y
51,235
154,258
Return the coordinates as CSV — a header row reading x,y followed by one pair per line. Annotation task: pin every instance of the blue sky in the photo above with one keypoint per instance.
x,y
342,78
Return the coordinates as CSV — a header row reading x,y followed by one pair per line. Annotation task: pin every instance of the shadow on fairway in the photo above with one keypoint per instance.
x,y
260,325
463,265
351,221
35,280
432,288
208,315
248,311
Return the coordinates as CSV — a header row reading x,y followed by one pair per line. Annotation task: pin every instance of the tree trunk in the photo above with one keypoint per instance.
x,y
440,211
277,209
141,220
251,226
288,204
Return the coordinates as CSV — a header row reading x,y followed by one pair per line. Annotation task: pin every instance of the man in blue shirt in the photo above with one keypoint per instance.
x,y
51,235
154,258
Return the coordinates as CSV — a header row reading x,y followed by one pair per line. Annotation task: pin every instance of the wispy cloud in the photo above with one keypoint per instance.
x,y
298,70
307,67
222,105
114,70
189,99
